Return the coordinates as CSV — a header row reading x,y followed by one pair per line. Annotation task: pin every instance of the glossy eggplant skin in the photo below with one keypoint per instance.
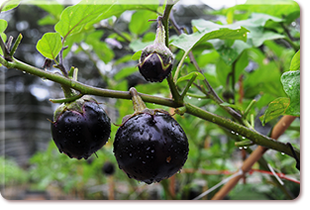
x,y
80,133
150,148
155,67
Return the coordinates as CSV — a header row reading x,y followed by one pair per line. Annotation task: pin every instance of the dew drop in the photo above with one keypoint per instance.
x,y
240,147
189,97
232,132
199,99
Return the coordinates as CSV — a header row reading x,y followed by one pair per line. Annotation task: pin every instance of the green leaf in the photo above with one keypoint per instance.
x,y
136,55
291,85
125,72
258,35
88,12
187,42
229,53
295,63
51,6
139,21
275,109
3,26
138,45
8,5
255,24
189,76
100,48
50,45
76,17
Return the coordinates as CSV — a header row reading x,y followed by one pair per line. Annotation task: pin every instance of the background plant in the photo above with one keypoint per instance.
x,y
221,67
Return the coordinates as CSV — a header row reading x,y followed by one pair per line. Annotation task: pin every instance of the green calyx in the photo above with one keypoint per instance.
x,y
73,106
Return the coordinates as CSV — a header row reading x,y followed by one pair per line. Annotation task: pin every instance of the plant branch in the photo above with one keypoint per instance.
x,y
83,88
190,109
238,129
277,131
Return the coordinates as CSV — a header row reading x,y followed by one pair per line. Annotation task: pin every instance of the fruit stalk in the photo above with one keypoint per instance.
x,y
138,104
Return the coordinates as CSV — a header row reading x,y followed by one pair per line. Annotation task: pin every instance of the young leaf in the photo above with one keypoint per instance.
x,y
137,55
275,109
3,26
50,45
295,63
189,76
291,85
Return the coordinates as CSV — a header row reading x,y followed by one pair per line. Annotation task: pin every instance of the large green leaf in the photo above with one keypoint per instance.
x,y
295,63
255,24
8,5
87,12
187,42
74,18
50,45
291,85
289,10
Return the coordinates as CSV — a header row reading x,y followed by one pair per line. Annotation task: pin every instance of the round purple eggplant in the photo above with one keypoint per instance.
x,y
80,128
150,146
